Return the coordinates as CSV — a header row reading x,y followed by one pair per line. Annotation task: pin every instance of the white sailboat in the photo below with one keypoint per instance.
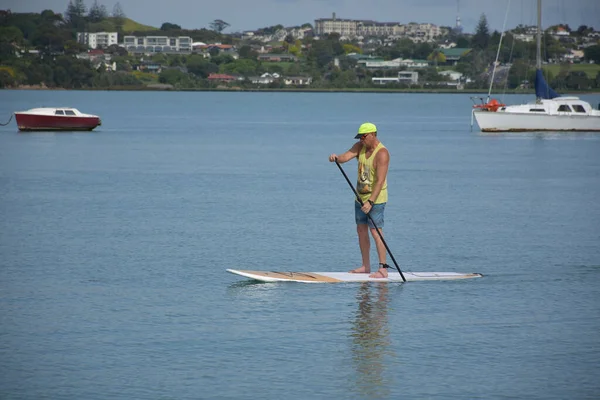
x,y
548,112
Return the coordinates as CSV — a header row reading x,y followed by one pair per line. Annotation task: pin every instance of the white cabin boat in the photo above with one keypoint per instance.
x,y
549,112
557,114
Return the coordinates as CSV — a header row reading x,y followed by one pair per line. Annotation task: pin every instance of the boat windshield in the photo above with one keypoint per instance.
x,y
59,112
564,107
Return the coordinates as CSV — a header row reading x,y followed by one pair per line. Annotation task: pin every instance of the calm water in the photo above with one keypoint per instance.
x,y
114,245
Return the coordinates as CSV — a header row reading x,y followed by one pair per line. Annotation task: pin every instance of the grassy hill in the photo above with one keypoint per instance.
x,y
109,25
590,69
130,26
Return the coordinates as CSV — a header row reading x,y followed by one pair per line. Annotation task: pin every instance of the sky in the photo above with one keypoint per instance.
x,y
244,15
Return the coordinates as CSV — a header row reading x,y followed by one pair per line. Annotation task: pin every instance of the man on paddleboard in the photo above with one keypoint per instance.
x,y
373,163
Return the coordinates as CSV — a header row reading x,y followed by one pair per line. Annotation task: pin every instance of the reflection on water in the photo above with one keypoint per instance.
x,y
252,289
371,341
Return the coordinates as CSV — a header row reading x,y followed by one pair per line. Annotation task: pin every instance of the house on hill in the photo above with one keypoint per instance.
x,y
222,78
271,57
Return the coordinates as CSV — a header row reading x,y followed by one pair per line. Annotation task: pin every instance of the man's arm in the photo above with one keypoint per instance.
x,y
347,156
382,163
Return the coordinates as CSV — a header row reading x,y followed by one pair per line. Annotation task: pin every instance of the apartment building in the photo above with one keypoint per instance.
x,y
345,27
372,28
355,27
97,39
406,77
425,32
157,44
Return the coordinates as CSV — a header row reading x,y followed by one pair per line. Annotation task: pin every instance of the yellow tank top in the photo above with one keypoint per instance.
x,y
367,176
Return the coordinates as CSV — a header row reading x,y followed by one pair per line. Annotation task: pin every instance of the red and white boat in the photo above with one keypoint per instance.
x,y
56,119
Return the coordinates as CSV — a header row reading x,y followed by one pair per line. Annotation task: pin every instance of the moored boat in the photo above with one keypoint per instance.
x,y
549,112
56,119
557,114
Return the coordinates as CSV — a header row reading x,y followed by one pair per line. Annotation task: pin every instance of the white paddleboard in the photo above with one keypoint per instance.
x,y
337,277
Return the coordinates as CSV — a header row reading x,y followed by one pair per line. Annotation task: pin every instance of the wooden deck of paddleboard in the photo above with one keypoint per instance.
x,y
338,277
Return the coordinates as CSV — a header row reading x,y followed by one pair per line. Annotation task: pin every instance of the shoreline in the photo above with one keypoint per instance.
x,y
293,90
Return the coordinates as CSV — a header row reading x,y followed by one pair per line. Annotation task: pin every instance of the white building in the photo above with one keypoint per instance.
x,y
345,27
97,39
524,37
372,28
354,27
157,44
408,77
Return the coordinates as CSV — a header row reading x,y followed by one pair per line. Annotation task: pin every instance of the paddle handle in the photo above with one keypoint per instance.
x,y
371,219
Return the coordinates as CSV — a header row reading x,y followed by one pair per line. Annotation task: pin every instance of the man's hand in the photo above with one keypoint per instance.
x,y
366,207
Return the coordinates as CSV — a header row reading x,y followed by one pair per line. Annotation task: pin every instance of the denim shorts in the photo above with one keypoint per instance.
x,y
376,214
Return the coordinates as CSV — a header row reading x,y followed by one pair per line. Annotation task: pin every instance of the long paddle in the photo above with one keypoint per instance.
x,y
371,218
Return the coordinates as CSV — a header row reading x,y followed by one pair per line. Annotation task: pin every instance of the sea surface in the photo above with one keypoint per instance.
x,y
114,245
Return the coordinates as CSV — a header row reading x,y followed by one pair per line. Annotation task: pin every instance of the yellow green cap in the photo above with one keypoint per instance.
x,y
365,128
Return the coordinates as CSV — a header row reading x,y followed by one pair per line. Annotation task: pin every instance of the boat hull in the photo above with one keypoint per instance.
x,y
33,122
519,122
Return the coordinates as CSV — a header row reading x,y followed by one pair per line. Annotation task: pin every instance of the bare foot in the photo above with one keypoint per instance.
x,y
360,270
381,274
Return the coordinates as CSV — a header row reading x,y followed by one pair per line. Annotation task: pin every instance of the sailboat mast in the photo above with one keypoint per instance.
x,y
538,55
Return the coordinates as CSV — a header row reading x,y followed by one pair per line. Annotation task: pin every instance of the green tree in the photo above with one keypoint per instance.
x,y
159,58
97,12
244,67
247,52
116,50
115,79
578,80
118,16
294,69
437,56
201,67
49,38
462,42
223,59
295,50
11,34
75,14
269,30
6,79
38,71
172,76
482,34
592,53
321,53
350,48
73,47
167,26
519,72
218,25
289,39
72,73
50,17
422,50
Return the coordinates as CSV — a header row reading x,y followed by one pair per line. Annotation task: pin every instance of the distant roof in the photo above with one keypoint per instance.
x,y
358,56
455,51
212,45
221,76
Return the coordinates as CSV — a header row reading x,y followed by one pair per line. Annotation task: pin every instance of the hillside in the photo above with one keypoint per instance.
x,y
130,26
591,70
109,25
